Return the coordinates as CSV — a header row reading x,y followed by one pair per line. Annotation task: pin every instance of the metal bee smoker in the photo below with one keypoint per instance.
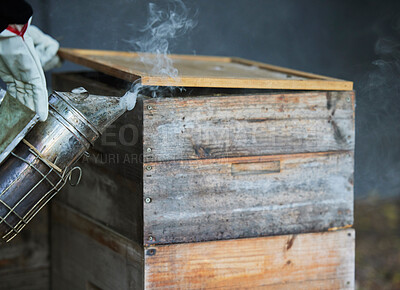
x,y
43,162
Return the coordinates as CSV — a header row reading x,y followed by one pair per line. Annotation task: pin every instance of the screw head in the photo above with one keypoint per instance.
x,y
151,238
151,252
148,168
149,107
147,200
148,149
348,99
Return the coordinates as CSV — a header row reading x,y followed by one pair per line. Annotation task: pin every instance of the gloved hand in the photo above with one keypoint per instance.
x,y
21,66
46,47
21,70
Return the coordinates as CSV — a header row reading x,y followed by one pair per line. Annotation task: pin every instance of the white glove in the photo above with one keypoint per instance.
x,y
46,47
21,70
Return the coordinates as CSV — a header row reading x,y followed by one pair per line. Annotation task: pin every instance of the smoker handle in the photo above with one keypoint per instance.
x,y
255,168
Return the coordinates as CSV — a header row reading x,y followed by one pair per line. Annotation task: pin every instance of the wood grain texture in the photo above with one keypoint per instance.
x,y
306,261
233,126
107,197
212,199
86,254
29,279
202,71
24,261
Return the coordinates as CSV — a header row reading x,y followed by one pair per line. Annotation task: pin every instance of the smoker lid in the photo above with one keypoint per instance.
x,y
202,71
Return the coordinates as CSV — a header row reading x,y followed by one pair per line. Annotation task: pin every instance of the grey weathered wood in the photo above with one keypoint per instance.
x,y
201,200
233,126
24,261
212,171
108,198
86,254
29,279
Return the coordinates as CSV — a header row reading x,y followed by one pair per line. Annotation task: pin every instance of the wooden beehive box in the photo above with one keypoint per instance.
x,y
185,191
24,262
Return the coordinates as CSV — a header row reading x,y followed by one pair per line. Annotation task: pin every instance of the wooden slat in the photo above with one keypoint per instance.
x,y
24,261
232,126
86,254
202,71
231,198
282,69
107,197
306,261
29,279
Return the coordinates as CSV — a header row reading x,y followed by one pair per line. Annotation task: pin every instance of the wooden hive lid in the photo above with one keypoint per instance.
x,y
203,71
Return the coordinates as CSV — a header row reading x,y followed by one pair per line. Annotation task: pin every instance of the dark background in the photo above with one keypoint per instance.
x,y
342,39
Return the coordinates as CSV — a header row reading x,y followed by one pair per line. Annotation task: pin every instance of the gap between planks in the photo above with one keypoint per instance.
x,y
250,159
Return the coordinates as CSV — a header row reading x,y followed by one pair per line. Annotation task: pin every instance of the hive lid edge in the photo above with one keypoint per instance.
x,y
115,63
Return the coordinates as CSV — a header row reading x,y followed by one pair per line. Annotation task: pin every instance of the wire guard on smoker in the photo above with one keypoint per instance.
x,y
43,162
17,210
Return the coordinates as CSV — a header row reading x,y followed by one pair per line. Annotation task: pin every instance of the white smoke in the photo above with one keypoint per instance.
x,y
378,125
167,21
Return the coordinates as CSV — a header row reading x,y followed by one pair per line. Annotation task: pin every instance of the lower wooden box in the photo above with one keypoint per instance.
x,y
88,255
24,261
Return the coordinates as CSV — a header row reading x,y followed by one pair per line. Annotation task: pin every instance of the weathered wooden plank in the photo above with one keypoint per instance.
x,y
233,126
107,197
86,254
305,261
29,279
287,71
24,261
212,199
202,71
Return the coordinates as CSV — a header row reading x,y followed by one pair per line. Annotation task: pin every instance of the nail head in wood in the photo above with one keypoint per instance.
x,y
148,168
147,200
151,252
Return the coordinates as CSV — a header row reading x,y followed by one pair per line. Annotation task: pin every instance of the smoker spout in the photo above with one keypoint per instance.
x,y
100,111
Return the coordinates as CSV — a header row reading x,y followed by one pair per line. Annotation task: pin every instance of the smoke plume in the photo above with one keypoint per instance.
x,y
167,21
379,161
